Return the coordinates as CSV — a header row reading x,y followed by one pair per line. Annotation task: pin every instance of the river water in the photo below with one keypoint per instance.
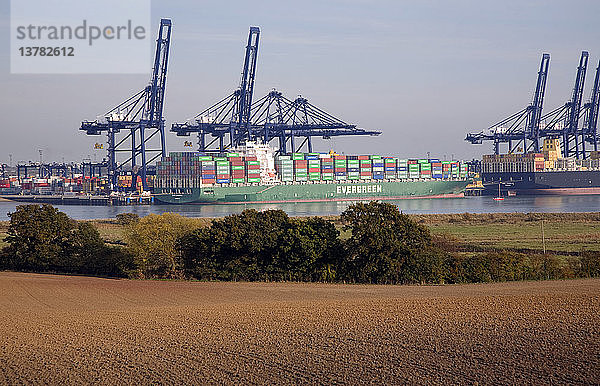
x,y
523,204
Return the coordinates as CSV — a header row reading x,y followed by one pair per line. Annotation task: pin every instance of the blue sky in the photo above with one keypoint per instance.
x,y
423,72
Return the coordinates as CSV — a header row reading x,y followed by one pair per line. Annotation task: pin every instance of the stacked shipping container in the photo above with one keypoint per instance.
x,y
189,169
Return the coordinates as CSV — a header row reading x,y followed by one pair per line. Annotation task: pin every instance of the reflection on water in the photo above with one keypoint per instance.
x,y
589,203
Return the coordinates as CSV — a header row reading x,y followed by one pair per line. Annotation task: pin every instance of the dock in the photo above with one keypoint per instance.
x,y
87,200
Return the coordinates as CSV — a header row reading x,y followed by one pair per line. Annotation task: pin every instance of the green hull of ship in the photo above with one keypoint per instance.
x,y
342,191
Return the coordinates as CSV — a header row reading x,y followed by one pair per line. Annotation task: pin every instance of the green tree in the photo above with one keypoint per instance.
x,y
385,245
38,237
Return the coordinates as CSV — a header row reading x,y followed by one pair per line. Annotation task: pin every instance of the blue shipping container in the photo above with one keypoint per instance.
x,y
223,181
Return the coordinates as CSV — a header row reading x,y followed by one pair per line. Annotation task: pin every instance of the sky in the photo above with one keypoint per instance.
x,y
423,72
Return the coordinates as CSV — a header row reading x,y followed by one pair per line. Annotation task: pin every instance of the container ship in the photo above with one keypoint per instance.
x,y
541,173
254,174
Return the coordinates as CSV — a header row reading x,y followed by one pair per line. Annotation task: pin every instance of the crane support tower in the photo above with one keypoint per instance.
x,y
572,137
236,118
590,131
135,127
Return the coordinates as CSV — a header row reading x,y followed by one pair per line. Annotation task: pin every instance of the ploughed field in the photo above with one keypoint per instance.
x,y
79,329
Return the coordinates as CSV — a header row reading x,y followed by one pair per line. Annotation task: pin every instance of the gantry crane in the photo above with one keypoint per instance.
x,y
527,126
590,130
521,130
235,118
132,126
563,122
227,121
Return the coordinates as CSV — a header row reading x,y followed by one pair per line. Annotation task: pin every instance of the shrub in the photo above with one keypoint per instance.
x,y
90,255
266,245
127,218
152,241
589,264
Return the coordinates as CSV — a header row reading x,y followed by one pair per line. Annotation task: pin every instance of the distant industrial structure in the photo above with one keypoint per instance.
x,y
573,124
135,128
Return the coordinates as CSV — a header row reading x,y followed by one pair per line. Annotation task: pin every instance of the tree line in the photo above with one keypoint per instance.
x,y
373,243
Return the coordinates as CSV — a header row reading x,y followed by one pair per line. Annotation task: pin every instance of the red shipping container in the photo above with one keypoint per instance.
x,y
237,163
253,167
253,175
222,176
250,158
208,180
314,170
339,157
361,157
340,169
326,159
425,171
365,173
300,163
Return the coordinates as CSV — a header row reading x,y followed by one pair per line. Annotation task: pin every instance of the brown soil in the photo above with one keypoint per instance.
x,y
56,329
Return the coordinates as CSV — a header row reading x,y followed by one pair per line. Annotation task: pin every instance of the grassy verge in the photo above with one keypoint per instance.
x,y
568,233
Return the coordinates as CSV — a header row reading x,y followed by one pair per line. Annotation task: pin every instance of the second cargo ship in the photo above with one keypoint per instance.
x,y
254,174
